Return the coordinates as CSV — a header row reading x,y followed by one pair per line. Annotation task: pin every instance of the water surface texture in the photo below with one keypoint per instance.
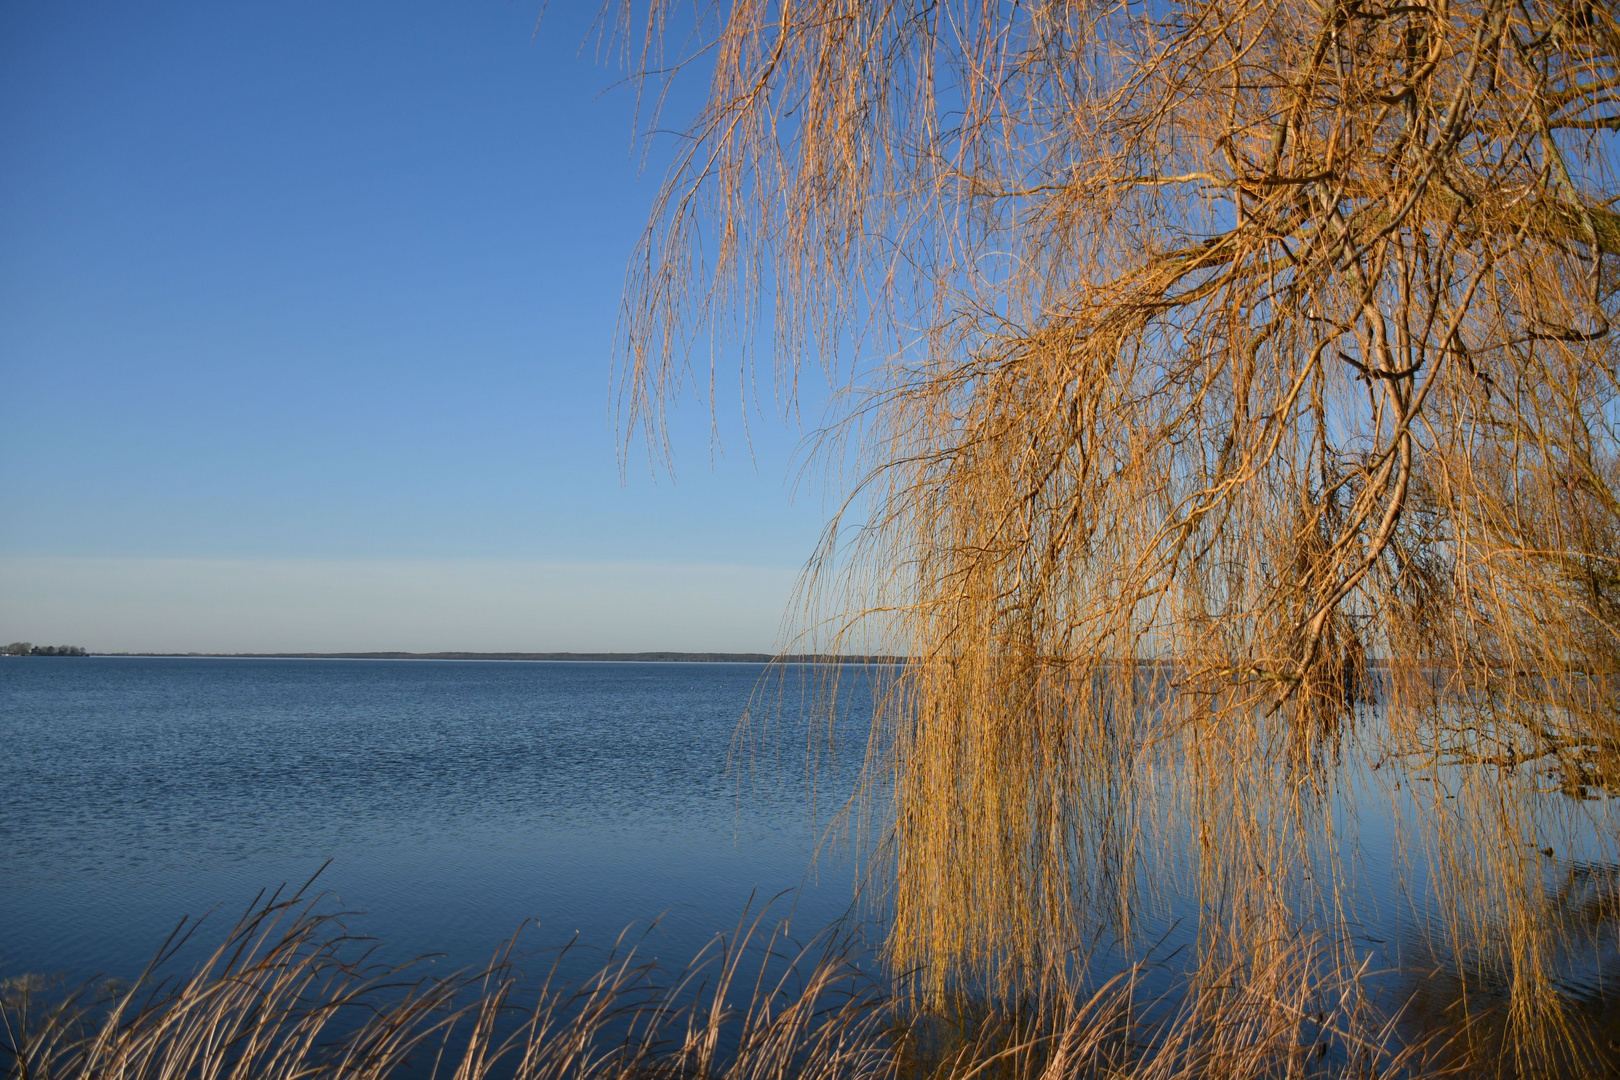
x,y
454,800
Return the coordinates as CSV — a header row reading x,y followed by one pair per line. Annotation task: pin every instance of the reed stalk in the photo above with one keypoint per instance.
x,y
290,994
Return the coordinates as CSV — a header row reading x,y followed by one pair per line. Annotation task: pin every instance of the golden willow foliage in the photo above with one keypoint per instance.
x,y
1213,369
289,994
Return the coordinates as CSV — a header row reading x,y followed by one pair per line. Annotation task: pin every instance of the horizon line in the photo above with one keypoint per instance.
x,y
657,656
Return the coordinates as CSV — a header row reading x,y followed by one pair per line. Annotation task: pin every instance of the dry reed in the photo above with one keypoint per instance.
x,y
290,995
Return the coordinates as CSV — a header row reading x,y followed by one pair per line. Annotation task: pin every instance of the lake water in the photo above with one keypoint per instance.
x,y
454,800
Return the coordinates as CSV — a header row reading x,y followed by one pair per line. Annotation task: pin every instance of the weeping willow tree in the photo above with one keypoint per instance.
x,y
1227,409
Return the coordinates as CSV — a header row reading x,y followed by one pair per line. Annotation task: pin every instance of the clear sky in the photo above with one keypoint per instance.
x,y
306,327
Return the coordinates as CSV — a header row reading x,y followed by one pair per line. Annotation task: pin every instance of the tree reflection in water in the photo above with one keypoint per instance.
x,y
1459,1004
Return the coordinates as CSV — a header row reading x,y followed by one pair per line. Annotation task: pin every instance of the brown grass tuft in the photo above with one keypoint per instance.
x,y
291,995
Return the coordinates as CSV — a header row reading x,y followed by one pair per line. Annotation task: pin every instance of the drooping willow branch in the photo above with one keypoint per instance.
x,y
1213,369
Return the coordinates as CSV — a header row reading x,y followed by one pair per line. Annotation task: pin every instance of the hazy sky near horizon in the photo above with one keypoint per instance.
x,y
306,326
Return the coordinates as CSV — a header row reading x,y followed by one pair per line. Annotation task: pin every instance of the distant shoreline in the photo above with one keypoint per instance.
x,y
564,657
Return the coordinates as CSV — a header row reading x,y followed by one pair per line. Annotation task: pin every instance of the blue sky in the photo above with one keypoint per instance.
x,y
309,293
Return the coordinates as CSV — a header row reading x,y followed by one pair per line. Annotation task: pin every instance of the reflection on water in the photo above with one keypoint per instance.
x,y
1459,1004
454,800
1584,901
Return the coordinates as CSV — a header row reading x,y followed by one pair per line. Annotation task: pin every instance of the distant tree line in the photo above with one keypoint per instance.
x,y
23,648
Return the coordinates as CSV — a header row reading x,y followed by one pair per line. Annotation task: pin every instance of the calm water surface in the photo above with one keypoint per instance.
x,y
453,799
456,800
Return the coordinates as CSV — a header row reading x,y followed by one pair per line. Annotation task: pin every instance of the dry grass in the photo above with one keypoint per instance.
x,y
289,995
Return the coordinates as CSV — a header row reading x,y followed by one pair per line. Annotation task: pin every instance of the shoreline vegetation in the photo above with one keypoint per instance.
x,y
24,648
572,657
291,993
